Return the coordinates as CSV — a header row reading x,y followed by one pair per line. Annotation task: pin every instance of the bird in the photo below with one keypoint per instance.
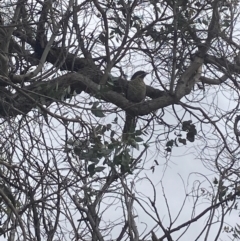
x,y
136,93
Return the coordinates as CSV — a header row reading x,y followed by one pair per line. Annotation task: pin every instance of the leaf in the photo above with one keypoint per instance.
x,y
205,22
193,129
77,150
111,146
126,159
67,149
138,139
223,192
94,159
183,141
134,144
115,120
226,23
85,155
99,169
102,37
112,134
186,125
138,133
106,152
190,136
170,143
215,181
97,111
45,116
168,149
70,141
136,18
108,126
117,159
91,169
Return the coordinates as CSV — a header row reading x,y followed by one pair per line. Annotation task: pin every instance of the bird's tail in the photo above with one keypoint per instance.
x,y
129,126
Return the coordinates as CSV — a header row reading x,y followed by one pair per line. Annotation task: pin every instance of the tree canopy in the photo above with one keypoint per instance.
x,y
66,173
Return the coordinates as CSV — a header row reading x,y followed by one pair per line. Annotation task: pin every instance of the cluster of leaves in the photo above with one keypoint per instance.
x,y
95,150
227,192
234,231
188,127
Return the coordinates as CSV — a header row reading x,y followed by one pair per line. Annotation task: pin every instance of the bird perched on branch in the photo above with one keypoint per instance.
x,y
136,92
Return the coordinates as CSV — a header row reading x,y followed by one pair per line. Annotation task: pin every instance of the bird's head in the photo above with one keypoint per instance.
x,y
139,74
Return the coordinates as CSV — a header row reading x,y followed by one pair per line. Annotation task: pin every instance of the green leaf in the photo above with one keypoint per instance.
x,y
85,155
138,139
99,169
170,143
215,181
70,141
168,149
77,150
226,23
134,144
106,152
205,22
111,146
186,125
67,149
112,134
223,192
136,18
190,136
117,159
115,120
94,159
97,111
108,126
138,133
91,169
183,141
